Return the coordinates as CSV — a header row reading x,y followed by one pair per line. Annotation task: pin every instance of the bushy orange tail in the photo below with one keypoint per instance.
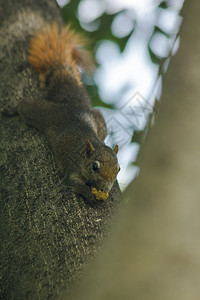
x,y
53,48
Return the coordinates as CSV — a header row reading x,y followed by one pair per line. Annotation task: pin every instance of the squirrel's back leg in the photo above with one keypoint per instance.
x,y
34,113
101,125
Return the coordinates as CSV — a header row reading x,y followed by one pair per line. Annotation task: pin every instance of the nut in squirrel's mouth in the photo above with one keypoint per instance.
x,y
99,194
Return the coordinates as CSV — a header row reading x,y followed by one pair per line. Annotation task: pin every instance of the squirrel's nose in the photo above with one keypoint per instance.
x,y
106,188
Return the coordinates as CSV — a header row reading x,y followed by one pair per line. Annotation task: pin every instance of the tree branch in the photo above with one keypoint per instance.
x,y
47,233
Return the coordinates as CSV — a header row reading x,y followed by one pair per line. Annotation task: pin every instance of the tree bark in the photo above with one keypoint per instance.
x,y
47,233
155,253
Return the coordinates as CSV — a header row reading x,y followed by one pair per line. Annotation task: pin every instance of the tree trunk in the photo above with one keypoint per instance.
x,y
47,233
155,253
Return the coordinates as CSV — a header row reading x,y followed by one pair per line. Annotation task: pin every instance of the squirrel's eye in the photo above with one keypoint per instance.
x,y
95,166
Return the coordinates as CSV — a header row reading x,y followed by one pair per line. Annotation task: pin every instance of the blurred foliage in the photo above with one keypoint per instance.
x,y
104,32
70,15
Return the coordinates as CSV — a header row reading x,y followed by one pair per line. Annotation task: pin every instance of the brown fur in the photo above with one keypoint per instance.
x,y
53,47
73,128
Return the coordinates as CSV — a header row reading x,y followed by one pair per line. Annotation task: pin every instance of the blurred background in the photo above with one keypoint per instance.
x,y
132,42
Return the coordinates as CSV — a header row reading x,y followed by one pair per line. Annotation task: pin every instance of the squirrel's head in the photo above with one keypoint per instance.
x,y
100,166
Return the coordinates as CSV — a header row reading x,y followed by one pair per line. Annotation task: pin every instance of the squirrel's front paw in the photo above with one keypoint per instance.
x,y
89,196
86,193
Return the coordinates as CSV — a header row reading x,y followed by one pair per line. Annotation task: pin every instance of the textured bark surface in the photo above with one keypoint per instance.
x,y
47,234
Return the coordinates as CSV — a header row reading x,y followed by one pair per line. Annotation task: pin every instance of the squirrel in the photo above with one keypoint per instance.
x,y
74,129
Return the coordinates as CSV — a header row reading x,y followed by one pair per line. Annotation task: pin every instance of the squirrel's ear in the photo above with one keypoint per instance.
x,y
89,149
116,149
